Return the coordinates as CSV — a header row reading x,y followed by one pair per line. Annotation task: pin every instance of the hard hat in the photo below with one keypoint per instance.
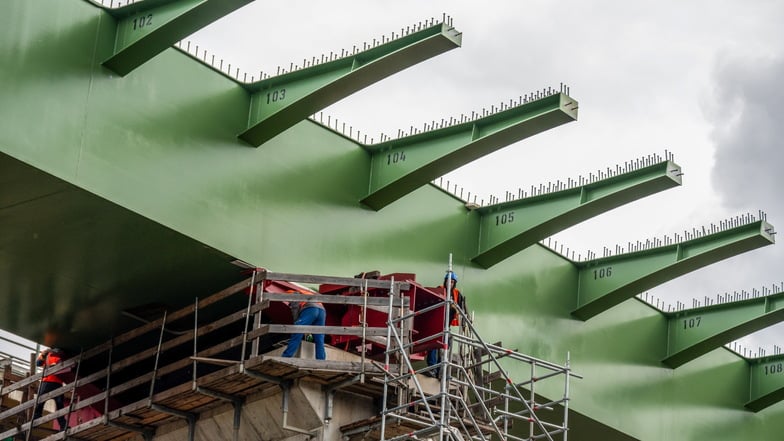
x,y
451,275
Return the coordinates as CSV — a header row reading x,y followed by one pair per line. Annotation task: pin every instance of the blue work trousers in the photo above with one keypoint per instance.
x,y
433,358
309,316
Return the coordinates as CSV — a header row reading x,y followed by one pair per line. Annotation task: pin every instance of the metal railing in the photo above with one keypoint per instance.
x,y
11,347
476,398
133,381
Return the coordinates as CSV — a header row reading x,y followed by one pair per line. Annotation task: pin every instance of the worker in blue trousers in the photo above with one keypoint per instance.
x,y
458,302
307,313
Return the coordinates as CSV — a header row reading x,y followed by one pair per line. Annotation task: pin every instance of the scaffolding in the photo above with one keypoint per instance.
x,y
218,351
11,364
476,399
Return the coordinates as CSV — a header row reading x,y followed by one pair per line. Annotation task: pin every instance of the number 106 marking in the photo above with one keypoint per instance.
x,y
602,273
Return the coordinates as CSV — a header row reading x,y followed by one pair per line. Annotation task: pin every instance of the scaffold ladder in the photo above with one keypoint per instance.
x,y
476,398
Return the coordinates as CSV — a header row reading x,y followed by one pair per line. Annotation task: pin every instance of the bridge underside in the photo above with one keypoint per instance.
x,y
74,264
134,194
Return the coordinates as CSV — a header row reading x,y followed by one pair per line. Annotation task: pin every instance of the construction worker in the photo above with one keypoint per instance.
x,y
307,313
50,382
458,303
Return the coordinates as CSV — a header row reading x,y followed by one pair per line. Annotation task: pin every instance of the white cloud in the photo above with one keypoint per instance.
x,y
698,78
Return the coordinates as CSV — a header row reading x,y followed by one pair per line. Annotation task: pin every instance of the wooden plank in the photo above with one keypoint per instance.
x,y
335,299
348,281
217,361
203,330
189,402
324,365
127,336
180,313
236,341
332,330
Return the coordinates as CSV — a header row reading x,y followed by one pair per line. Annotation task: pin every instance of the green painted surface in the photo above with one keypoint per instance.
x,y
605,282
694,332
401,165
135,27
161,145
280,102
71,262
145,29
767,382
511,226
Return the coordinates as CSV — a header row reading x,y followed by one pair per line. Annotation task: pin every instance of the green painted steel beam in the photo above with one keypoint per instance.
x,y
695,332
145,29
400,166
510,227
279,102
608,281
767,381
156,219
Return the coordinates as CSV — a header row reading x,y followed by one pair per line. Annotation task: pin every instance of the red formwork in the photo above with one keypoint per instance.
x,y
279,312
351,315
425,324
429,323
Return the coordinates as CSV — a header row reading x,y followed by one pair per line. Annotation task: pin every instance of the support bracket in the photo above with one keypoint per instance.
x,y
606,282
767,382
509,227
145,29
281,101
402,165
695,332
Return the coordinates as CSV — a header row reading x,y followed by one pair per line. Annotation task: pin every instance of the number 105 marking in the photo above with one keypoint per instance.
x,y
506,218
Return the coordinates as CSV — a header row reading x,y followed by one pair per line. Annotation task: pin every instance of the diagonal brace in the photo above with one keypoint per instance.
x,y
145,29
513,226
767,382
695,332
606,282
279,102
402,165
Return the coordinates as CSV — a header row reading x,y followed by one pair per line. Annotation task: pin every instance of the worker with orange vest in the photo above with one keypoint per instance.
x,y
307,313
50,382
458,303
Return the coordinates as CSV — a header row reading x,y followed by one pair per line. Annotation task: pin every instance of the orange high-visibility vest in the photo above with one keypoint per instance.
x,y
307,293
51,359
454,316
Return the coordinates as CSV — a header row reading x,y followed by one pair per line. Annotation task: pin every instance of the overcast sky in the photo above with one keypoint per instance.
x,y
699,78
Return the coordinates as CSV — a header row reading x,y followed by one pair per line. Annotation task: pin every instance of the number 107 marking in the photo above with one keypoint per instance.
x,y
693,322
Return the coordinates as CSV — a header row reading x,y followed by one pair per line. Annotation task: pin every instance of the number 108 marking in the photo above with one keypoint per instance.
x,y
776,368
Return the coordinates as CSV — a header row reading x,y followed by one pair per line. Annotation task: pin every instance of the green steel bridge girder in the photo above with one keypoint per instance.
x,y
608,281
694,332
279,102
767,381
400,166
145,29
512,226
